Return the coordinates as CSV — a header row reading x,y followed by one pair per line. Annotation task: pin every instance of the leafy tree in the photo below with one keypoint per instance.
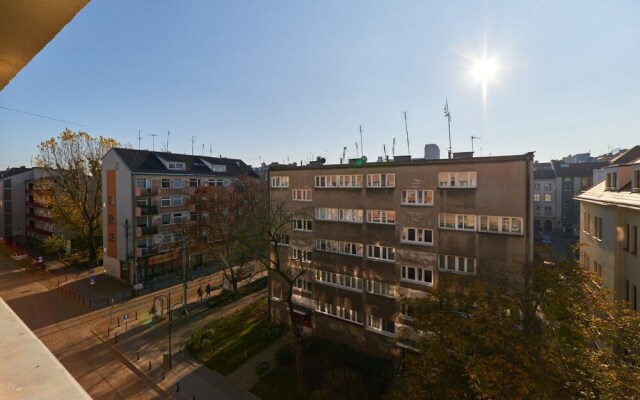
x,y
55,244
556,337
73,185
342,383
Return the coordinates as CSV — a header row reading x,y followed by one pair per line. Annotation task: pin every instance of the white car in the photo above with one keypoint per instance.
x,y
17,256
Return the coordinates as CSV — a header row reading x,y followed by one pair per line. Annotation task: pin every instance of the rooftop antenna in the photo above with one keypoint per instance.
x,y
406,129
357,154
153,140
448,115
193,140
202,149
384,149
139,139
361,145
472,139
393,147
344,155
168,132
210,150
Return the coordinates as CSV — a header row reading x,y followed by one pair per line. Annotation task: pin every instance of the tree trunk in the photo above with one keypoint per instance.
x,y
298,343
93,255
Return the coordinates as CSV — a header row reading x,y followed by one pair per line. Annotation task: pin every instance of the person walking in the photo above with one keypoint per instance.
x,y
199,293
208,290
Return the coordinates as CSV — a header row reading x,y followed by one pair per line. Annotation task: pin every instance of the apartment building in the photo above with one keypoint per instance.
x,y
544,194
610,217
378,235
146,202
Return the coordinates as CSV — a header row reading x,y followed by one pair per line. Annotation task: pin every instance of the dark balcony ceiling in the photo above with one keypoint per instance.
x,y
26,26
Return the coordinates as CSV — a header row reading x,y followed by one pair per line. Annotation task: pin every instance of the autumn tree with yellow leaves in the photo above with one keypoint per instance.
x,y
558,336
72,188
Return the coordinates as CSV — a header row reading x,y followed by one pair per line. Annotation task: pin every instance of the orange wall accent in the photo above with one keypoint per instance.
x,y
112,227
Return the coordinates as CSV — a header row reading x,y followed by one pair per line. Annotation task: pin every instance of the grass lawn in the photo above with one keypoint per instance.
x,y
365,377
221,345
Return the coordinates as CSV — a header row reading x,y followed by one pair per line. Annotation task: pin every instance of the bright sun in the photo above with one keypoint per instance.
x,y
485,70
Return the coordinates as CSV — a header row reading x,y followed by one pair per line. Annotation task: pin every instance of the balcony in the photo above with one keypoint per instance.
x,y
146,210
141,192
146,251
146,230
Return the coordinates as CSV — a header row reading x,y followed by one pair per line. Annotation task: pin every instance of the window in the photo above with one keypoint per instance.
x,y
283,240
597,227
301,255
536,186
417,198
112,200
547,186
167,238
547,198
176,183
383,253
193,182
166,219
417,236
611,181
177,201
219,168
338,181
635,181
335,246
407,310
177,218
301,194
381,325
193,216
165,202
587,223
632,239
457,180
421,275
536,210
339,214
279,181
141,183
381,180
597,268
112,237
176,165
512,225
547,210
165,183
381,288
112,218
339,312
536,197
381,216
302,284
463,222
463,265
335,279
300,224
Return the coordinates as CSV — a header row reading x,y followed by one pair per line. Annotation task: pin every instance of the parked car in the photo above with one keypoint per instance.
x,y
546,239
18,257
37,263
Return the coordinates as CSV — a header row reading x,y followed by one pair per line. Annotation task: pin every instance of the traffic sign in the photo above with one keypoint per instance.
x,y
125,317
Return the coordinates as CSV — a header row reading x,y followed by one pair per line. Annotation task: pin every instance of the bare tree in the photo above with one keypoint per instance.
x,y
73,186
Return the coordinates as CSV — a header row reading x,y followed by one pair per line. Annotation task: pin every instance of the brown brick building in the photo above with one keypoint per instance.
x,y
381,234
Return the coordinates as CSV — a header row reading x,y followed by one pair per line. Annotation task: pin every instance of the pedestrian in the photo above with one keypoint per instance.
x,y
199,293
208,290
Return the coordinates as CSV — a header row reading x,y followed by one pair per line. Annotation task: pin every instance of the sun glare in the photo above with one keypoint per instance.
x,y
485,70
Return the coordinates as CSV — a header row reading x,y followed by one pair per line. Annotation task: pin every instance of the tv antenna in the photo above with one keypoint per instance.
x,y
202,149
472,139
357,154
406,129
448,115
139,139
361,145
384,149
344,155
193,140
210,150
153,140
168,132
393,147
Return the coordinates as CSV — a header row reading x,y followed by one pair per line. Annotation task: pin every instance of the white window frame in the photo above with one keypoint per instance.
x,y
176,201
459,222
381,288
502,223
281,181
175,165
420,235
350,215
338,181
301,194
387,217
419,275
381,180
302,284
165,202
381,253
176,183
165,183
380,325
339,312
302,225
420,197
302,255
336,246
348,282
461,265
458,180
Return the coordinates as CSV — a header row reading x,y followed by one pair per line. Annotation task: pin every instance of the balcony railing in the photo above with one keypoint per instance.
x,y
148,210
152,191
148,230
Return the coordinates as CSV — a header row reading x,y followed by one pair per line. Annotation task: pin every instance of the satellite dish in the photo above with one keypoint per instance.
x,y
364,158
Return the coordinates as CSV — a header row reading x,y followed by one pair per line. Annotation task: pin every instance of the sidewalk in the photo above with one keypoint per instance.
x,y
142,343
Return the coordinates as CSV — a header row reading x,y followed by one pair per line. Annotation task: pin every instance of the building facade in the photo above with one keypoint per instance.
x,y
146,203
610,217
377,235
544,194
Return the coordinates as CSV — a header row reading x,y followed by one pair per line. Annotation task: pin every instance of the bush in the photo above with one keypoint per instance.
x,y
285,354
228,297
262,369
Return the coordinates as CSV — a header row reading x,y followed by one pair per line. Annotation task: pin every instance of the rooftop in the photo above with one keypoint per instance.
x,y
624,197
576,169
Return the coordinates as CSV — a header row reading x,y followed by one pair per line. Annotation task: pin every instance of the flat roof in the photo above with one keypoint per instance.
x,y
28,369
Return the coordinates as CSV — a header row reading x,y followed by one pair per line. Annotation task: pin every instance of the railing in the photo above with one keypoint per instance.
x,y
148,210
149,230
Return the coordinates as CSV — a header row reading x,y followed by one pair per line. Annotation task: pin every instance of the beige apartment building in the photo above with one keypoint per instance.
x,y
146,202
377,235
610,217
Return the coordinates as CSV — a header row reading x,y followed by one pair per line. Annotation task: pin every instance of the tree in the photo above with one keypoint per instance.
x,y
73,184
226,225
55,244
558,337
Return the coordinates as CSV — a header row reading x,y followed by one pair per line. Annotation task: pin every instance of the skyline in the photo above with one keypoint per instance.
x,y
271,74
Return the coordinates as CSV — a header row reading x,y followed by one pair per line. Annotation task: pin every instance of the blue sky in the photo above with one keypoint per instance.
x,y
288,80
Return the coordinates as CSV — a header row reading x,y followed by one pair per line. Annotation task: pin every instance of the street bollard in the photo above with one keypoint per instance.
x,y
66,278
136,315
118,322
138,356
149,365
178,386
194,397
162,375
116,335
108,330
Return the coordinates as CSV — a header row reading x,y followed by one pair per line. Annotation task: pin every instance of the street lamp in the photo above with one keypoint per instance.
x,y
169,310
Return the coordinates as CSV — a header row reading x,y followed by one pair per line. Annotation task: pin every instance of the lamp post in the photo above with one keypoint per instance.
x,y
126,245
169,310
